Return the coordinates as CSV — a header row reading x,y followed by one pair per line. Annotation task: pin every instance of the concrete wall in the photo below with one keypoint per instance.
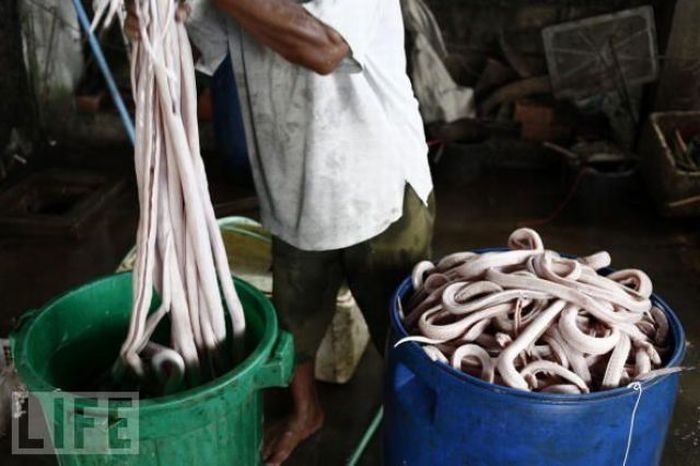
x,y
472,28
15,107
53,53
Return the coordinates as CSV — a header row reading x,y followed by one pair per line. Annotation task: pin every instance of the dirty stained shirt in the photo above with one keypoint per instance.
x,y
331,155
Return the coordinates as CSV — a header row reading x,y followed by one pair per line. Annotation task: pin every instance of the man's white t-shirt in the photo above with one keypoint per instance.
x,y
331,155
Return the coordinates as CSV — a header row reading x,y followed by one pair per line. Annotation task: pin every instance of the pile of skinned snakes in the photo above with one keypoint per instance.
x,y
531,319
180,251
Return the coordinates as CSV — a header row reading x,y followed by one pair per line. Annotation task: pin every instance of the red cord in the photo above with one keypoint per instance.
x,y
562,205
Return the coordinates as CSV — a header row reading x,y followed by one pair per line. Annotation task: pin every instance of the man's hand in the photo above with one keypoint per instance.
x,y
288,29
131,24
132,27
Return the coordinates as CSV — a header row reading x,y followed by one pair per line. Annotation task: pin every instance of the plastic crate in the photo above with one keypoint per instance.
x,y
676,192
602,53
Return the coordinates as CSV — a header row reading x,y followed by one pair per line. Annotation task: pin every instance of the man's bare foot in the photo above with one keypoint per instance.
x,y
284,436
306,419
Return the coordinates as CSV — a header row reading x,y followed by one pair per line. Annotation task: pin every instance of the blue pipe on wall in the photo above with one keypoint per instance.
x,y
104,68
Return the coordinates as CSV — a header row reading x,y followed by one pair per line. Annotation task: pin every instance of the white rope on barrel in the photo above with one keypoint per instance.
x,y
637,387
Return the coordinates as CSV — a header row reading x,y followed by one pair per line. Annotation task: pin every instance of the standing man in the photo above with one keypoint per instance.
x,y
339,161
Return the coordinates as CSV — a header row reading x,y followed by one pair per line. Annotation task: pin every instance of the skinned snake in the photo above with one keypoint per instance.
x,y
531,319
180,252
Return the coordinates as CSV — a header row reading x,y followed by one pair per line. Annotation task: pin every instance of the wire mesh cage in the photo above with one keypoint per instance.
x,y
603,53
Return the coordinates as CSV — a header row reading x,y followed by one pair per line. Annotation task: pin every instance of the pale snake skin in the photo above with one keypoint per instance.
x,y
531,319
180,251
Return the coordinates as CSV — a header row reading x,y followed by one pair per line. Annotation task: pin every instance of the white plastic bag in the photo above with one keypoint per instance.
x,y
440,98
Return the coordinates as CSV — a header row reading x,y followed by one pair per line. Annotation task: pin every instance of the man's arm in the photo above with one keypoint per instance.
x,y
287,28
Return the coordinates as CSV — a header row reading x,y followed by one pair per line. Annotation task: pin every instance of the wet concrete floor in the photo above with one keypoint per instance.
x,y
478,206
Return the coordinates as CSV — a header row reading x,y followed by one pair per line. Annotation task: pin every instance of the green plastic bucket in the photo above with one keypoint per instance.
x,y
76,337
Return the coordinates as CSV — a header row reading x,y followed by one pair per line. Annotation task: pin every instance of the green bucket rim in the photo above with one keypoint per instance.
x,y
36,383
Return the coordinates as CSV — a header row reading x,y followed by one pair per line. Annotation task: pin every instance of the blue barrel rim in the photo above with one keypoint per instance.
x,y
676,358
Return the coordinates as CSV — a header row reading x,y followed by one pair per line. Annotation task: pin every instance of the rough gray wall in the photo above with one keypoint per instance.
x,y
679,84
472,27
15,109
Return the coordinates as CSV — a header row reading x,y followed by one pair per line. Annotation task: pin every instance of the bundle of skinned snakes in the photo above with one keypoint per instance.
x,y
180,252
531,319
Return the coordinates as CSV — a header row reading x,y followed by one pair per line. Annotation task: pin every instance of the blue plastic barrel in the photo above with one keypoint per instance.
x,y
435,415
